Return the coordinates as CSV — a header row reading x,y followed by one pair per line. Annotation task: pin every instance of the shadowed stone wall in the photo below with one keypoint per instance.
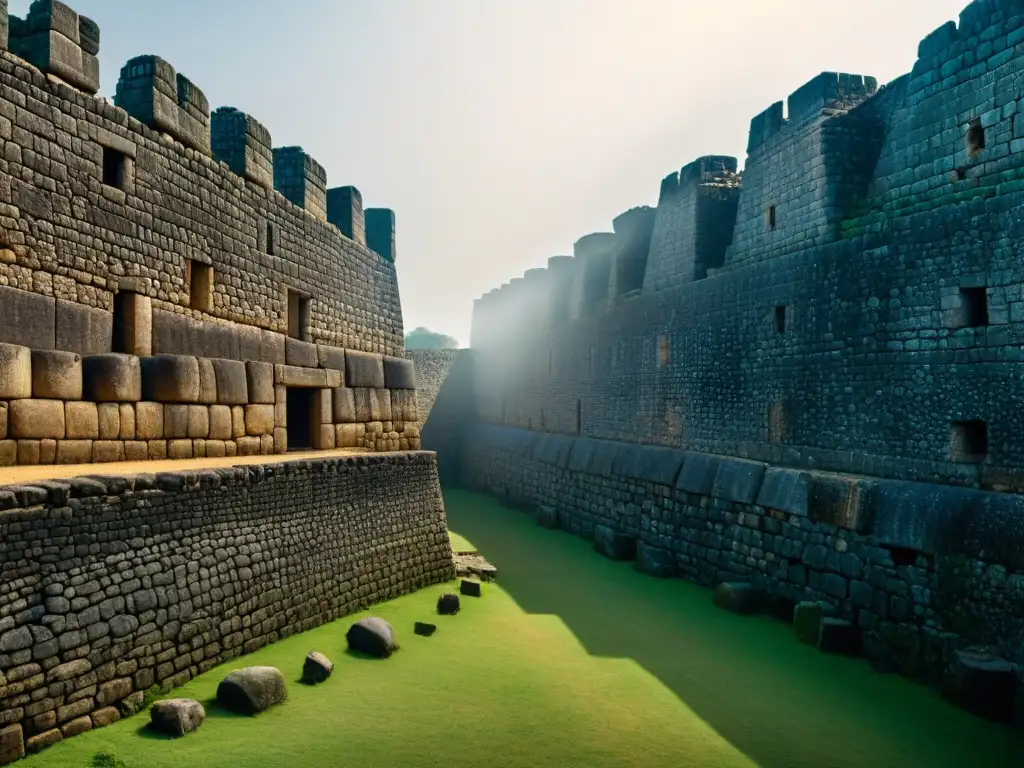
x,y
111,585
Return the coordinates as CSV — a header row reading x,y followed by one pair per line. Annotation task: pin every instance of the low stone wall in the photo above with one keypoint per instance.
x,y
109,585
921,570
59,407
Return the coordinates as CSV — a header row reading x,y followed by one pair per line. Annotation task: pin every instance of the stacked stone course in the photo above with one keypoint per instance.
x,y
115,584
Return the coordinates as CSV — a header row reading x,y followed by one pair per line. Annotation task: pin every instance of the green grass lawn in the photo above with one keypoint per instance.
x,y
572,661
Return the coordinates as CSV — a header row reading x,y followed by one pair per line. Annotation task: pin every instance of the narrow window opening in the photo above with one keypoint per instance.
x,y
770,217
780,318
270,239
975,138
974,306
968,441
113,168
902,556
200,285
298,315
579,417
663,350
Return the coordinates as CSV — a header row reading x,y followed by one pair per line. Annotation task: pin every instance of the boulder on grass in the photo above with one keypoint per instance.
x,y
372,636
807,618
470,588
983,684
176,717
547,517
423,629
737,597
448,604
838,636
252,689
316,668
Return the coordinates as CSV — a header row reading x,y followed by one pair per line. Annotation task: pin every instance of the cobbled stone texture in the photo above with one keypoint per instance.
x,y
111,585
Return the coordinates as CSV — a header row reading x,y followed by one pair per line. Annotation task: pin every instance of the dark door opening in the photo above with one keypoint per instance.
x,y
300,418
124,303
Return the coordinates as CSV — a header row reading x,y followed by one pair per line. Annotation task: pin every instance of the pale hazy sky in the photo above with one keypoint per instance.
x,y
501,131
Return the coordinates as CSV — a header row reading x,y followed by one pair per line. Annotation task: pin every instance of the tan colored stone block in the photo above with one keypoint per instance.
x,y
56,375
74,451
334,378
343,401
28,453
36,419
136,450
12,744
107,451
323,437
43,740
363,404
179,449
47,451
175,421
260,379
347,436
280,440
81,421
215,449
230,448
259,420
411,430
248,446
232,382
293,376
157,449
8,453
266,445
220,422
238,421
172,379
112,378
109,421
127,421
3,421
104,717
15,372
198,421
76,726
323,413
199,448
149,421
383,397
207,381
281,414
403,444
414,444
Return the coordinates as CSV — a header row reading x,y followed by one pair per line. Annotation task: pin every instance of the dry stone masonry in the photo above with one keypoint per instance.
x,y
173,285
112,585
799,380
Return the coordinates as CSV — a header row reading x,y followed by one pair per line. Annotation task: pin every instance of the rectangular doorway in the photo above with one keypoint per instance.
x,y
300,418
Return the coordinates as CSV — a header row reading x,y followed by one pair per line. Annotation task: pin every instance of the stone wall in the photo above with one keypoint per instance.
x,y
449,377
919,569
111,585
432,367
100,200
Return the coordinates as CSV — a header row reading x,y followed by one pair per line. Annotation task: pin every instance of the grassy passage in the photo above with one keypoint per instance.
x,y
573,661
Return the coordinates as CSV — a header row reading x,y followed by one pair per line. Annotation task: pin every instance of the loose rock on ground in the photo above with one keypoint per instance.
x,y
372,636
176,717
252,689
316,668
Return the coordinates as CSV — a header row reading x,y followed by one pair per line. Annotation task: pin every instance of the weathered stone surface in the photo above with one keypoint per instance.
x,y
207,381
15,372
81,329
56,375
105,716
364,370
177,717
12,744
149,421
171,379
232,382
448,604
259,419
737,597
983,684
316,668
76,726
41,741
26,318
399,373
372,636
260,382
301,353
614,545
82,421
112,378
252,690
36,419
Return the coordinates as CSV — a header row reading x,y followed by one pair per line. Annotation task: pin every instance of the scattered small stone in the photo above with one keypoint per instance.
x,y
133,704
448,604
474,564
372,636
470,588
43,740
252,689
316,668
177,717
738,597
425,630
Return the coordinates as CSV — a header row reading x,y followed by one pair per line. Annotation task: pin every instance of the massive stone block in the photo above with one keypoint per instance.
x,y
171,379
50,39
82,329
244,144
260,382
112,378
81,421
345,211
15,372
380,232
301,179
232,381
363,369
301,353
399,373
56,375
36,419
27,318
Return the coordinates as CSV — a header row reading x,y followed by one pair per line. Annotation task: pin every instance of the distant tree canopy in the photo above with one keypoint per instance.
x,y
424,338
